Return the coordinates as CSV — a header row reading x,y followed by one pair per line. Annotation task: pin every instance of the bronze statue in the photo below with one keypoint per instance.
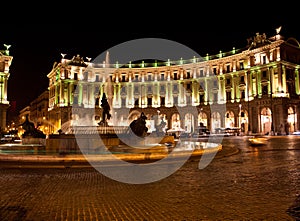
x,y
105,110
138,126
30,130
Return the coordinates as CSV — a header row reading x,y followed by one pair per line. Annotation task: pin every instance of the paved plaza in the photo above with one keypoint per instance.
x,y
241,183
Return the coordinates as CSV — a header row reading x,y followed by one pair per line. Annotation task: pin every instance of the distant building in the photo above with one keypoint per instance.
x,y
22,117
37,112
258,85
5,62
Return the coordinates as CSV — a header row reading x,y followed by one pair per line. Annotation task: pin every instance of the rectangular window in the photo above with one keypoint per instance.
x,y
228,96
215,84
123,102
136,102
215,97
227,68
136,89
215,70
175,76
123,78
201,73
188,75
136,78
162,77
175,88
149,101
175,101
264,59
265,90
242,94
201,98
162,101
241,65
242,79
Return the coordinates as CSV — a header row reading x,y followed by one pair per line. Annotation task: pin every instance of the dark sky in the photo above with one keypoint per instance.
x,y
36,47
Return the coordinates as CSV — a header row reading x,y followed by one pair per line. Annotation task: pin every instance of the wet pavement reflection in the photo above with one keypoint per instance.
x,y
257,183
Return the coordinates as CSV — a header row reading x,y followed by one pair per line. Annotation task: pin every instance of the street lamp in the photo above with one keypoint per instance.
x,y
248,92
1,90
240,107
271,104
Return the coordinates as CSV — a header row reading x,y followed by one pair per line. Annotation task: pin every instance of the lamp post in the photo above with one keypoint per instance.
x,y
248,92
1,90
240,108
271,104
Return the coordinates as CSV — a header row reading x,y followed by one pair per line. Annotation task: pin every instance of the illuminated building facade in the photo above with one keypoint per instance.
x,y
5,62
39,112
258,85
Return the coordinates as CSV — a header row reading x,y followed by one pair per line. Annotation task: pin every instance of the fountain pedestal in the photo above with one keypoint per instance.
x,y
95,139
33,140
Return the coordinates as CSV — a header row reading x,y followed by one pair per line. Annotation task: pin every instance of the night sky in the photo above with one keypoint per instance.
x,y
35,47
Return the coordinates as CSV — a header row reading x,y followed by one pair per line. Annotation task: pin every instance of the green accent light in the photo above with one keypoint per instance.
x,y
181,61
57,74
155,63
130,65
117,64
194,59
143,64
168,62
207,57
233,50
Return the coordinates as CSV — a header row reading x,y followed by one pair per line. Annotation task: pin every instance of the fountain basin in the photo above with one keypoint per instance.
x,y
97,142
21,152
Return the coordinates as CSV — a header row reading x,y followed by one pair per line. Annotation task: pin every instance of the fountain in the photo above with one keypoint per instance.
x,y
105,138
104,142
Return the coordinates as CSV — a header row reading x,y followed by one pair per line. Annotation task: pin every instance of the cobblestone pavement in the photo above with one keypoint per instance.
x,y
257,183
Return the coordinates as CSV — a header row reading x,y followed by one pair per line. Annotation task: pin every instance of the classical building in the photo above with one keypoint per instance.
x,y
5,62
255,88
